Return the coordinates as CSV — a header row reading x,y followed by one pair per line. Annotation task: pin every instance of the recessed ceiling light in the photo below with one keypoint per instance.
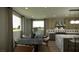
x,y
26,8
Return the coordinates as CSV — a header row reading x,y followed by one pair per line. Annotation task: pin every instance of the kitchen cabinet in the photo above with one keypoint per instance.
x,y
71,44
52,36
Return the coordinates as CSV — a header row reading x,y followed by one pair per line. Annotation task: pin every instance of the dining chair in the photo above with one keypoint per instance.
x,y
45,40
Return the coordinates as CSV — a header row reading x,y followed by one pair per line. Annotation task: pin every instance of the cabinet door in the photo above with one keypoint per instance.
x,y
66,45
77,47
52,37
71,46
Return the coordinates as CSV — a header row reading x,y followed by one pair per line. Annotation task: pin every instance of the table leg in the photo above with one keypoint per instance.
x,y
36,48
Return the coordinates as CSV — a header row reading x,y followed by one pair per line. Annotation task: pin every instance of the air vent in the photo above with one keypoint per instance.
x,y
74,10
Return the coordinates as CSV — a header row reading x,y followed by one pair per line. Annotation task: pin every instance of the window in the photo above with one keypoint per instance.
x,y
16,23
38,28
38,24
74,22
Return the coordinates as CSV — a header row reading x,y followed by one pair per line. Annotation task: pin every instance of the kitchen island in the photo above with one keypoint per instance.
x,y
59,40
59,36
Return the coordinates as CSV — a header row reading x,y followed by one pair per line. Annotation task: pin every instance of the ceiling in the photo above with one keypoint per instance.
x,y
45,12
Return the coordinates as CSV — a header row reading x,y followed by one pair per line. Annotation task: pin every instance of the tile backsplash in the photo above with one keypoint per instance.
x,y
63,30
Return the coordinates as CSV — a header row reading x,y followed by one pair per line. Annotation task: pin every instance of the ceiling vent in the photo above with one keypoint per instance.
x,y
74,10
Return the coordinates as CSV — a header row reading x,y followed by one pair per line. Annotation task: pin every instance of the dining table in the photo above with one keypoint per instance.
x,y
30,41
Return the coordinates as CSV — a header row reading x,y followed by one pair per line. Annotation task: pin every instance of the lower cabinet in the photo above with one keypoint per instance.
x,y
66,45
71,45
52,36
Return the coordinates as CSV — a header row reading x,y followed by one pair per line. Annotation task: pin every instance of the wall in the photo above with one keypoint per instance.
x,y
6,39
72,15
50,23
71,26
26,26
